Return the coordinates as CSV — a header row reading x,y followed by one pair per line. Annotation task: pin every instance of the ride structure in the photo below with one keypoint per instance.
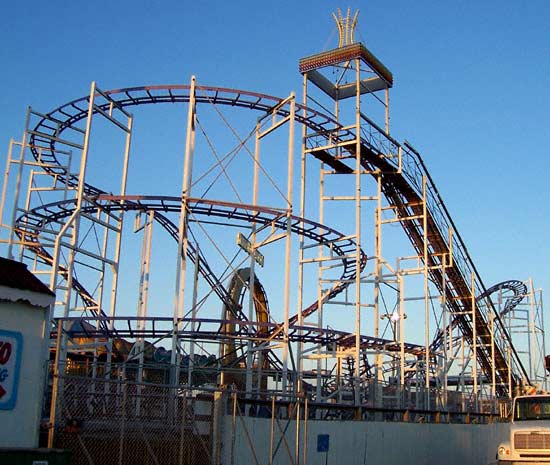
x,y
291,272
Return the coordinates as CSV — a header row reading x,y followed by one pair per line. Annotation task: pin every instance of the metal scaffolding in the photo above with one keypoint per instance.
x,y
293,278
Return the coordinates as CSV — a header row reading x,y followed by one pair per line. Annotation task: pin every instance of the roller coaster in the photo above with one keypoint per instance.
x,y
316,230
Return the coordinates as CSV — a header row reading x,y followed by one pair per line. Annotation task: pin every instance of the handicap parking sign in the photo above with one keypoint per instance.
x,y
323,442
11,344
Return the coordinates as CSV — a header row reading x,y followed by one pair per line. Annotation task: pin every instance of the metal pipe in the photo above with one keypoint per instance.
x,y
181,267
425,259
474,337
272,431
358,170
252,261
193,321
17,189
300,303
288,240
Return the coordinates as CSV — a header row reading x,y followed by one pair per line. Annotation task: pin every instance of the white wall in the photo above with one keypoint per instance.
x,y
20,427
360,443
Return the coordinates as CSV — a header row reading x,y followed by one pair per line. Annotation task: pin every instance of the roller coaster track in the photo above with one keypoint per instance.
x,y
401,186
52,124
40,217
401,193
519,290
240,281
208,330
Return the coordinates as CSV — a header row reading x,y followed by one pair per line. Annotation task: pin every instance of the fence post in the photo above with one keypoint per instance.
x,y
217,427
183,424
233,427
271,437
122,426
306,416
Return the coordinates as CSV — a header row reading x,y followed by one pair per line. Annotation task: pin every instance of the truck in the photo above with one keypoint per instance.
x,y
529,438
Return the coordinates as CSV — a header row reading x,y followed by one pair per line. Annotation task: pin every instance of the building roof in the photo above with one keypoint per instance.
x,y
18,283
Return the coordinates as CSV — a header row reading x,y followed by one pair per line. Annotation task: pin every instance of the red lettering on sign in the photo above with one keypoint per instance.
x,y
5,352
2,392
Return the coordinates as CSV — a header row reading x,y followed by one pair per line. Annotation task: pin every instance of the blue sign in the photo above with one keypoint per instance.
x,y
323,442
11,344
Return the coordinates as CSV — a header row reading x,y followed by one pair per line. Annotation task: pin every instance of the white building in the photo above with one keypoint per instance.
x,y
24,335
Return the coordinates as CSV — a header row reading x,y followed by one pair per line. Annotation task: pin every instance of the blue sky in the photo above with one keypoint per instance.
x,y
471,90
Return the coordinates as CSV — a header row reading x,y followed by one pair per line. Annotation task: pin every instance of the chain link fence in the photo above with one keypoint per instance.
x,y
116,422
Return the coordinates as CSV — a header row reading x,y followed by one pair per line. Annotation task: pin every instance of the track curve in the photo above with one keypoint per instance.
x,y
518,288
38,218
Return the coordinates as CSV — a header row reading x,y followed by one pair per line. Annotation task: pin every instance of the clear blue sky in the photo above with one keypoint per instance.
x,y
472,86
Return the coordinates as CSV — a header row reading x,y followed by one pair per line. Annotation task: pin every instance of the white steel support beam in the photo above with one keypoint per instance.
x,y
73,222
425,259
288,241
320,292
401,325
543,337
100,293
181,267
532,348
378,360
194,310
303,177
118,239
143,292
446,324
358,177
474,338
252,261
17,190
71,230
